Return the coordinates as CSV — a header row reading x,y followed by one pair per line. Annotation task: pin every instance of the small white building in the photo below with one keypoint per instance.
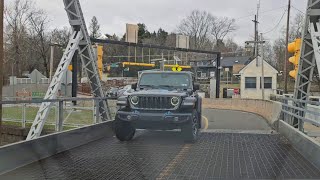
x,y
251,80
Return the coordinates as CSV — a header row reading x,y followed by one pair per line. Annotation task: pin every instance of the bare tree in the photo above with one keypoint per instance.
x,y
269,54
16,21
201,26
279,48
221,27
197,26
40,38
94,28
61,36
296,26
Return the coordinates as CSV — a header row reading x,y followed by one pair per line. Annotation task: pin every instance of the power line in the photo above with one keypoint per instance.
x,y
298,10
276,24
261,12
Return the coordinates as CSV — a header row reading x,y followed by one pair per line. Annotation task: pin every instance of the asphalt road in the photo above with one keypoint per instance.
x,y
232,120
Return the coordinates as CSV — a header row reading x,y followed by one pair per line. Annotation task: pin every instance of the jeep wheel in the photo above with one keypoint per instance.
x,y
190,131
124,130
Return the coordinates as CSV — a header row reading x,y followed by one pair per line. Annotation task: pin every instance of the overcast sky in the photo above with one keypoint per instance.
x,y
114,14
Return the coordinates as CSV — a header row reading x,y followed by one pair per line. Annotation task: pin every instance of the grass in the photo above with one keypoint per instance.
x,y
71,116
28,125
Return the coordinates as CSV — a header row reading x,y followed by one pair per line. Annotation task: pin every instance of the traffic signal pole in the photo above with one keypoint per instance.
x,y
74,76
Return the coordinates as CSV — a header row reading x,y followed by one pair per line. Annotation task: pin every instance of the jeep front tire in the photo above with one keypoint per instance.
x,y
124,130
190,131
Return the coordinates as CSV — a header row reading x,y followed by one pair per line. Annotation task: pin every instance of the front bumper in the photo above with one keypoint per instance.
x,y
154,120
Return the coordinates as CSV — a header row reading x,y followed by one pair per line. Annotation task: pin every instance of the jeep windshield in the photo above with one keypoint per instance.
x,y
165,80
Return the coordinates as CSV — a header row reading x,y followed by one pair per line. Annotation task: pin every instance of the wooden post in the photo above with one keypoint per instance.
x,y
1,63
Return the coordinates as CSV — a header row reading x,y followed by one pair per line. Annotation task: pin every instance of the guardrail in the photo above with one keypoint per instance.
x,y
293,114
64,112
22,153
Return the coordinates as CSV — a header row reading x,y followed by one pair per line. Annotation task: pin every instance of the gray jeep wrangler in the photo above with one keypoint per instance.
x,y
161,101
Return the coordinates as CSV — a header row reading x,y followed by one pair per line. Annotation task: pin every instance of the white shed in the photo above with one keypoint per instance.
x,y
251,80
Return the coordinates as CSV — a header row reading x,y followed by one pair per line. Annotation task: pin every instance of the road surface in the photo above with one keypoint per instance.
x,y
233,120
164,155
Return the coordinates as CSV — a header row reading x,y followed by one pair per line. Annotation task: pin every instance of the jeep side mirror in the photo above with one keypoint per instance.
x,y
196,86
134,86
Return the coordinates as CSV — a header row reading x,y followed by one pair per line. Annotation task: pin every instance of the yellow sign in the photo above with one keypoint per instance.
x,y
177,68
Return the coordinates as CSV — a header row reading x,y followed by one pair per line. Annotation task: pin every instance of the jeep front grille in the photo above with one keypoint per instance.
x,y
155,103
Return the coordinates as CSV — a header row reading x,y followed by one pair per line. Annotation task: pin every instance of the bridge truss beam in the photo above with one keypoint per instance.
x,y
79,40
310,57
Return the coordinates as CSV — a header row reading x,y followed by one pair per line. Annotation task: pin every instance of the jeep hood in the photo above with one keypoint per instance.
x,y
159,92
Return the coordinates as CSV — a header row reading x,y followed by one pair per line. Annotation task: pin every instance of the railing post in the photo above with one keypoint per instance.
x,y
286,115
56,108
96,116
24,115
97,120
94,111
59,119
300,121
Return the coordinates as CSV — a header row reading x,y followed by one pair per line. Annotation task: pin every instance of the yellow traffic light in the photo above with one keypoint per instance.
x,y
294,47
70,68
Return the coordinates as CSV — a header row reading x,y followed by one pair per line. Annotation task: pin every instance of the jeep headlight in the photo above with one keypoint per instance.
x,y
175,101
134,100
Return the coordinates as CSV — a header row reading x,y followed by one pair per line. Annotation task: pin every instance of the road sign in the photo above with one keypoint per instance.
x,y
177,68
212,74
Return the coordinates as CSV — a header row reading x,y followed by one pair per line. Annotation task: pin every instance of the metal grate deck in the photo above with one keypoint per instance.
x,y
163,155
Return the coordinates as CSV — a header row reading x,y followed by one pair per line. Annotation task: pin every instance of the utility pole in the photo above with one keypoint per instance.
x,y
1,63
262,67
257,33
285,74
255,52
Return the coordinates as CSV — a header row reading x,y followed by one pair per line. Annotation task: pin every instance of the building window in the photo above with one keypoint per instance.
x,y
267,82
250,82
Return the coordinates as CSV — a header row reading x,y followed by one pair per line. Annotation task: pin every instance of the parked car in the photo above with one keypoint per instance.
x,y
113,92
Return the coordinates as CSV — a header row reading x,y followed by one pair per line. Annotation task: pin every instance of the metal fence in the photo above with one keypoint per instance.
x,y
63,115
293,114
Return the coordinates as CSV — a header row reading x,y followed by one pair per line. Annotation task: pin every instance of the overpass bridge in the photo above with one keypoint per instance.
x,y
233,145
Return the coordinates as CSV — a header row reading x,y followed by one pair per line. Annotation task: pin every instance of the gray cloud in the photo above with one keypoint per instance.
x,y
113,14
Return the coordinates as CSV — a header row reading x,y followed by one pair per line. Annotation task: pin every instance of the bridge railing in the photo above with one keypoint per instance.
x,y
64,115
306,120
